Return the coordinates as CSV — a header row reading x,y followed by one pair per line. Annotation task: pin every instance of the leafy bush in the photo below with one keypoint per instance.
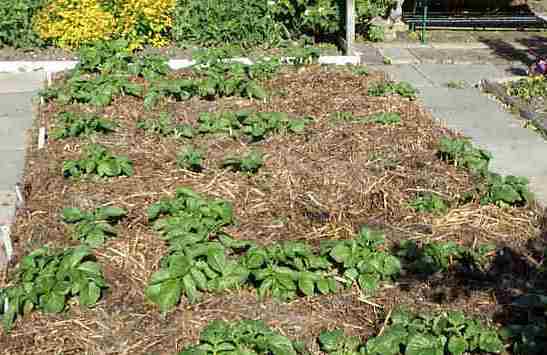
x,y
16,23
202,258
249,337
190,159
215,77
216,22
445,333
47,280
441,256
116,57
450,333
256,125
99,161
249,163
165,127
98,90
361,259
324,17
94,227
71,23
502,191
403,89
506,191
528,88
143,21
429,203
376,33
285,270
72,124
462,153
335,342
194,263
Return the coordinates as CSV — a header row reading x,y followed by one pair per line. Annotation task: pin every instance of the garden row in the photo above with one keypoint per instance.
x,y
217,247
72,23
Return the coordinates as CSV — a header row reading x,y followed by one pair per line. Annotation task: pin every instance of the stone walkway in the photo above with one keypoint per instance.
x,y
517,150
16,94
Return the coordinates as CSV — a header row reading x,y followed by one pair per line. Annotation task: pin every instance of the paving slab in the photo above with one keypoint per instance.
x,y
21,82
16,104
464,56
12,163
8,200
472,74
405,73
399,55
369,54
516,150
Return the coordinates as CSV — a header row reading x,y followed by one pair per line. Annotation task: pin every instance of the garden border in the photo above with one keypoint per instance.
x,y
525,111
60,65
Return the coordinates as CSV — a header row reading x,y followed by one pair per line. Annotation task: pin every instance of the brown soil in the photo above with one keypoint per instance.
x,y
359,173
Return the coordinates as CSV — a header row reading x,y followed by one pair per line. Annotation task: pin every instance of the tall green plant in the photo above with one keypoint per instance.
x,y
16,23
215,22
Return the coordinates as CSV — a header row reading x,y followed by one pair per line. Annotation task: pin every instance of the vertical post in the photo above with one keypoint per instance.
x,y
424,40
350,26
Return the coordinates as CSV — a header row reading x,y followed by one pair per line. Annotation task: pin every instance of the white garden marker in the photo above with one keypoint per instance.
x,y
42,137
350,26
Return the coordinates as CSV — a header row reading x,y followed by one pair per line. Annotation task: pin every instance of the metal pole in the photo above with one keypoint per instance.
x,y
350,26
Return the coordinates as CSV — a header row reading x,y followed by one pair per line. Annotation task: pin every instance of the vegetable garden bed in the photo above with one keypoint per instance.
x,y
213,173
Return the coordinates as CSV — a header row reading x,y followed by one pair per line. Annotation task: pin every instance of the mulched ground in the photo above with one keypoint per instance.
x,y
171,52
359,173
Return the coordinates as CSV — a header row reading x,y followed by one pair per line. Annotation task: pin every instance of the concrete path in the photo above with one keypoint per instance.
x,y
517,150
16,94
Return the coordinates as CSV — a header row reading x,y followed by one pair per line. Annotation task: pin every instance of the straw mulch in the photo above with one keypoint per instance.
x,y
323,184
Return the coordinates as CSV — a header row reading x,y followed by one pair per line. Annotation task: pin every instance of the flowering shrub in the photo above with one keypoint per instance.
x,y
72,23
144,21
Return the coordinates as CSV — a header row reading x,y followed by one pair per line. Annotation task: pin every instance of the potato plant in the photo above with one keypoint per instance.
x,y
97,160
249,337
255,125
72,124
165,127
361,260
248,163
93,228
47,280
402,89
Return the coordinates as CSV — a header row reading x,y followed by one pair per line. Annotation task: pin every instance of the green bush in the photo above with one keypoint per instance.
x,y
215,22
376,33
16,23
